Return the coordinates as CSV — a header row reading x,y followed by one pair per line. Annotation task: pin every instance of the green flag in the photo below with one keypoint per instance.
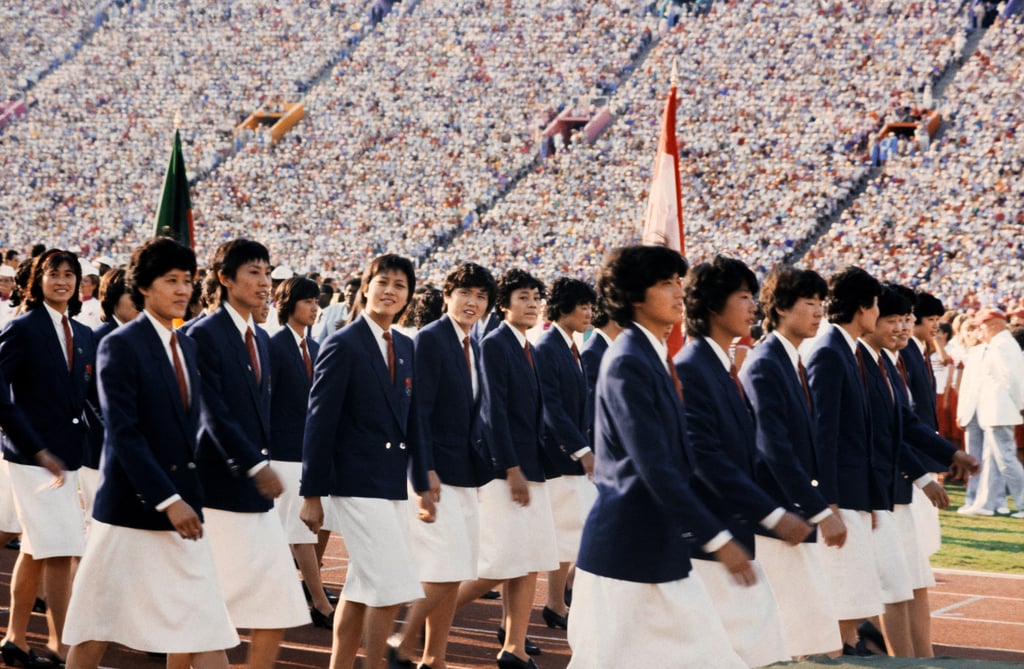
x,y
174,213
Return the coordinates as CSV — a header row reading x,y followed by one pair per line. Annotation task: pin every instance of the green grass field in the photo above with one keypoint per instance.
x,y
979,543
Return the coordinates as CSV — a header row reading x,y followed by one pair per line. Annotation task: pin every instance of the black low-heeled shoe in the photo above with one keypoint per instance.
x,y
553,619
395,662
509,661
55,659
16,657
325,621
529,645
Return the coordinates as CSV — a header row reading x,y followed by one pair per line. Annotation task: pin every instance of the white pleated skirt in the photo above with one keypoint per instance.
x,y
797,577
926,523
571,498
381,570
8,513
890,559
851,571
260,584
626,624
88,484
50,517
515,540
918,565
149,590
289,503
447,550
750,615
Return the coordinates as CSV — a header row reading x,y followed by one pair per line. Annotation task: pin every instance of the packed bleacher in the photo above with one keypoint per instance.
x,y
85,165
36,35
946,217
771,135
425,123
423,138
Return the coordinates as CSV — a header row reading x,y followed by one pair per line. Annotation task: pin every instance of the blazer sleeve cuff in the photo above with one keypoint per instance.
x,y
163,506
717,541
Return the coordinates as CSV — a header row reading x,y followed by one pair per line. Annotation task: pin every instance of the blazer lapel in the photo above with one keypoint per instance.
x,y
167,377
380,368
456,351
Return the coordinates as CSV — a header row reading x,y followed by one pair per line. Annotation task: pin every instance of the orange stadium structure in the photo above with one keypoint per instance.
x,y
280,116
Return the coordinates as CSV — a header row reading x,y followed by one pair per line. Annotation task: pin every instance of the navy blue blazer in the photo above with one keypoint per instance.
x,y
721,432
646,513
358,441
50,399
920,380
565,393
923,449
290,397
234,434
511,405
93,414
788,464
843,427
149,450
593,351
450,430
15,425
888,456
484,327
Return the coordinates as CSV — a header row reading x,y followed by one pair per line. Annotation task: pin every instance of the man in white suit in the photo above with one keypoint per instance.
x,y
991,404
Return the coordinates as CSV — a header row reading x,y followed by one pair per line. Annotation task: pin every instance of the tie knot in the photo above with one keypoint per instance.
x,y
302,343
387,336
174,340
465,341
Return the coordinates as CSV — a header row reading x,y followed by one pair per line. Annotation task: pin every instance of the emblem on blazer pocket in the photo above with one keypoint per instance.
x,y
88,370
408,386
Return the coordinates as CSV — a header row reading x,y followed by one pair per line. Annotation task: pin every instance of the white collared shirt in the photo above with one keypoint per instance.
x,y
460,335
57,318
378,336
850,341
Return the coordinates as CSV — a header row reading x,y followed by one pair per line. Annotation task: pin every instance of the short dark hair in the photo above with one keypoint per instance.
x,y
471,275
231,255
510,282
925,305
707,287
112,289
389,262
627,272
288,294
153,259
894,302
946,329
426,307
849,291
600,317
566,294
10,254
783,287
45,262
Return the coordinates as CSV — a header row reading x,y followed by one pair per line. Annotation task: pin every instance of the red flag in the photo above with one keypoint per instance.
x,y
663,225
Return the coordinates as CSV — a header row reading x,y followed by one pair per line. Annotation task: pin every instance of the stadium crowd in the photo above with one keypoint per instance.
x,y
945,217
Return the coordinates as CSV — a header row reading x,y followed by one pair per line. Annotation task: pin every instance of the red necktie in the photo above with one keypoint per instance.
x,y
469,359
391,356
306,359
902,368
250,343
179,372
888,384
802,371
734,373
863,374
576,355
675,378
69,343
529,356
